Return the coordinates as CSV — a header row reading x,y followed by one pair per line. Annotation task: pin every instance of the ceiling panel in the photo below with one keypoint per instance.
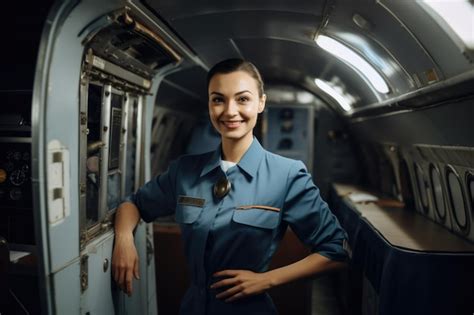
x,y
447,56
213,52
278,37
192,81
202,29
178,9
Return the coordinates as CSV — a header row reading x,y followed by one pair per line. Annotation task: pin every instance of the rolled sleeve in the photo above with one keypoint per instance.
x,y
309,216
157,197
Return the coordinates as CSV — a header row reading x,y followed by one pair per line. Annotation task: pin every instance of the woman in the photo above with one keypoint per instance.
x,y
234,205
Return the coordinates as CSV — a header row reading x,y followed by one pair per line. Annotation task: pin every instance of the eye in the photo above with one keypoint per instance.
x,y
243,99
217,100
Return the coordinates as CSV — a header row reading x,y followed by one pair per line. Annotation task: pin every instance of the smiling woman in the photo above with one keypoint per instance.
x,y
234,205
97,98
235,99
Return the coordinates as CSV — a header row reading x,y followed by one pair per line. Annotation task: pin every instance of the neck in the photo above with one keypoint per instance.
x,y
234,149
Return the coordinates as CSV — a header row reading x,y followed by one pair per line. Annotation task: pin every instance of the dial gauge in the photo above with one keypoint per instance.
x,y
17,177
16,194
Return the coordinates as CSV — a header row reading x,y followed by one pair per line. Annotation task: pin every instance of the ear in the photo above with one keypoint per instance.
x,y
261,104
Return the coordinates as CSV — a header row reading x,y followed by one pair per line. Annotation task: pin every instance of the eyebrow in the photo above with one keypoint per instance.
x,y
213,92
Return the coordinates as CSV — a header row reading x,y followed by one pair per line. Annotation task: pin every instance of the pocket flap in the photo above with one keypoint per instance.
x,y
187,214
258,217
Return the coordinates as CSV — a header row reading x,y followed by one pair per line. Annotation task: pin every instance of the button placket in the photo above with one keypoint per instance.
x,y
209,215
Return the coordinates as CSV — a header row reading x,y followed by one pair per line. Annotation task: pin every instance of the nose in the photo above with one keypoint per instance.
x,y
231,108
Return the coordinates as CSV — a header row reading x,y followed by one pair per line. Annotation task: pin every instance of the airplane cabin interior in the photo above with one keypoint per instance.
x,y
374,96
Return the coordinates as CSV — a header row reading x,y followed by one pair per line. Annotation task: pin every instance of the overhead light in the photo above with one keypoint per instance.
x,y
304,97
348,55
458,14
328,89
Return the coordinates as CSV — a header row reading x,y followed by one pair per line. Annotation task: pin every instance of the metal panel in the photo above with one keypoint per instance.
x,y
180,9
83,105
125,127
104,162
97,298
67,290
109,67
300,132
139,178
55,116
137,303
150,272
116,149
297,27
431,36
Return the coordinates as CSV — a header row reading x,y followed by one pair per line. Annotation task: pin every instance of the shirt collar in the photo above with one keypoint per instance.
x,y
248,163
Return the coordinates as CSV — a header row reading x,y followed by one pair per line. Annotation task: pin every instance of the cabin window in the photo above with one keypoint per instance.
x,y
437,189
420,178
456,199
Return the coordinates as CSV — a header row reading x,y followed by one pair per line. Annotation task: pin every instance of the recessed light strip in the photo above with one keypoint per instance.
x,y
343,52
326,88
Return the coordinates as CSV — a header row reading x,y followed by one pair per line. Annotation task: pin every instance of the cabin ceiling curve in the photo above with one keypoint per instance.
x,y
405,45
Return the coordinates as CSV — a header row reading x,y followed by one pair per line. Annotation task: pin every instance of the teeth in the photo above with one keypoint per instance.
x,y
234,123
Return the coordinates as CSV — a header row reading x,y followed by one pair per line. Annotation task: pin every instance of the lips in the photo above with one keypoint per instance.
x,y
232,124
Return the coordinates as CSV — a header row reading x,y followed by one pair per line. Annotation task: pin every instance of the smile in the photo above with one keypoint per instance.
x,y
232,124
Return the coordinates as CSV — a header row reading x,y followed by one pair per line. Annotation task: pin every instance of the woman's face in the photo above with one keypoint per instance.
x,y
234,104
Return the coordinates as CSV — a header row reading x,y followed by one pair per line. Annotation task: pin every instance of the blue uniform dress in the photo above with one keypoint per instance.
x,y
242,230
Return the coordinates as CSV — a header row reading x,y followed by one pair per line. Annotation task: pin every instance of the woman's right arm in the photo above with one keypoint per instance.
x,y
155,198
125,261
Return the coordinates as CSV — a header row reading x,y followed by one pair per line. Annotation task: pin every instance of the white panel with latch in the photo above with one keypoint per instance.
x,y
58,182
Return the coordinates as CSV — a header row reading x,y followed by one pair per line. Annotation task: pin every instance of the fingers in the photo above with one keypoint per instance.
x,y
136,272
224,283
125,266
227,273
229,292
241,283
120,278
119,274
128,282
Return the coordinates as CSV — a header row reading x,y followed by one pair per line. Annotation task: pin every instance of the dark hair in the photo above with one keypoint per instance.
x,y
236,64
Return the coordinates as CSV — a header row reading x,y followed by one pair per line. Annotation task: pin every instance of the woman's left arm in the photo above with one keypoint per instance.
x,y
309,217
244,283
311,265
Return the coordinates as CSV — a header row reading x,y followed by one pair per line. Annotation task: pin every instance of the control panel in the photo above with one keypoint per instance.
x,y
289,132
16,205
15,175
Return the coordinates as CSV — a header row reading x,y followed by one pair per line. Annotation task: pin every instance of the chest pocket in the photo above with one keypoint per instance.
x,y
257,216
187,214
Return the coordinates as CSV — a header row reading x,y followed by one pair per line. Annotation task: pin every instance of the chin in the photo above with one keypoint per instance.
x,y
232,135
235,134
